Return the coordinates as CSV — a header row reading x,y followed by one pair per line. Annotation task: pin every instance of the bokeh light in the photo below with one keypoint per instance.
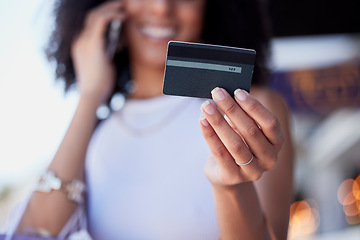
x,y
304,219
345,192
356,188
349,197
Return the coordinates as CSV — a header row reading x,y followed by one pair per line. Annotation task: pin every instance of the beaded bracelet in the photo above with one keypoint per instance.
x,y
74,189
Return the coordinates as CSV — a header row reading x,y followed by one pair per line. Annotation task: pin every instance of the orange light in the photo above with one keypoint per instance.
x,y
303,212
353,219
351,210
349,197
356,188
345,194
304,219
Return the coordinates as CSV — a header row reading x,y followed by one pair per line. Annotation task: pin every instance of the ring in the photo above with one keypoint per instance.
x,y
244,164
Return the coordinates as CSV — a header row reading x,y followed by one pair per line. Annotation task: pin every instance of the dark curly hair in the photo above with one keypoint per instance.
x,y
237,23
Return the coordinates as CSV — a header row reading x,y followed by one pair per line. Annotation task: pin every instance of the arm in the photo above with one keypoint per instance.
x,y
275,187
50,211
95,75
243,201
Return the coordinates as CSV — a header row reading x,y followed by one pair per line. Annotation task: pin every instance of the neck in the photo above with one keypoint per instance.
x,y
148,81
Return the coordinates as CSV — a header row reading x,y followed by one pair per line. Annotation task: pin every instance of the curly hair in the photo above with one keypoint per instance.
x,y
234,23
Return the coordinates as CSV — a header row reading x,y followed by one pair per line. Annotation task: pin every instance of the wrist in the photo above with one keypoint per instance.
x,y
95,90
86,109
239,211
231,189
91,100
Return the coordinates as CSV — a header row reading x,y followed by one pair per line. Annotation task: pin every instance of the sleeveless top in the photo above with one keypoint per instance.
x,y
144,170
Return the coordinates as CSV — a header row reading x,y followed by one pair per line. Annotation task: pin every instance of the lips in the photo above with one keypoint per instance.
x,y
158,32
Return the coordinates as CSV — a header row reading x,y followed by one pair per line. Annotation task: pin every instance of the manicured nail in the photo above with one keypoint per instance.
x,y
240,94
204,121
208,108
218,94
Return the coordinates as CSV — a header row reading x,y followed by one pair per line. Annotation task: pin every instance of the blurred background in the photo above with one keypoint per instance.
x,y
316,67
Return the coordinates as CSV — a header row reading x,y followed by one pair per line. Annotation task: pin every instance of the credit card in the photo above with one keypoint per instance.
x,y
194,69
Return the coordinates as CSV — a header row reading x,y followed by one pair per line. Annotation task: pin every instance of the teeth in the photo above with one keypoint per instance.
x,y
158,32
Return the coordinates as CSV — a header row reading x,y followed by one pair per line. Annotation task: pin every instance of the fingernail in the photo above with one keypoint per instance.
x,y
240,94
204,121
208,108
218,94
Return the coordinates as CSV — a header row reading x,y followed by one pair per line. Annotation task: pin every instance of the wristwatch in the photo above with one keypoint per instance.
x,y
74,189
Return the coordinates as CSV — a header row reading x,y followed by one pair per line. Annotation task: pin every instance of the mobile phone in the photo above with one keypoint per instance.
x,y
113,36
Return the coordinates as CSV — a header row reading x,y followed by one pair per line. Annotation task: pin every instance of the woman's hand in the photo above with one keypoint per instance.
x,y
95,72
244,142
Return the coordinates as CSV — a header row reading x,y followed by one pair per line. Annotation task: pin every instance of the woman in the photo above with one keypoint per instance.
x,y
143,165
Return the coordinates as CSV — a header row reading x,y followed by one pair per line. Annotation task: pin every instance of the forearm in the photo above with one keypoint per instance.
x,y
239,212
68,162
52,210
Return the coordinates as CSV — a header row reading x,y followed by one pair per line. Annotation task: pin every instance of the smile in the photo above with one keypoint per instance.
x,y
158,32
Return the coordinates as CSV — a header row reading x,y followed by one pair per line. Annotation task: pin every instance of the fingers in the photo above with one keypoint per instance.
x,y
226,171
99,18
247,128
244,125
267,121
225,133
225,144
90,42
217,147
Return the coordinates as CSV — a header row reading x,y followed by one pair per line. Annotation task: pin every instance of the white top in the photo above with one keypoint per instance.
x,y
145,173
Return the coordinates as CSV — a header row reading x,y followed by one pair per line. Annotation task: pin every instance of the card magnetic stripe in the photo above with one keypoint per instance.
x,y
205,66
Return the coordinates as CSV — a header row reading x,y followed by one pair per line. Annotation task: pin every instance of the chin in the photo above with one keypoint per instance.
x,y
153,56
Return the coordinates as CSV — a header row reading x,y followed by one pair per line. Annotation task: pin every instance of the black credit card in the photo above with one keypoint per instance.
x,y
194,69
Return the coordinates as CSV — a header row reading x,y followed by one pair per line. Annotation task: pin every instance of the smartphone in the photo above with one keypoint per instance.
x,y
113,36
